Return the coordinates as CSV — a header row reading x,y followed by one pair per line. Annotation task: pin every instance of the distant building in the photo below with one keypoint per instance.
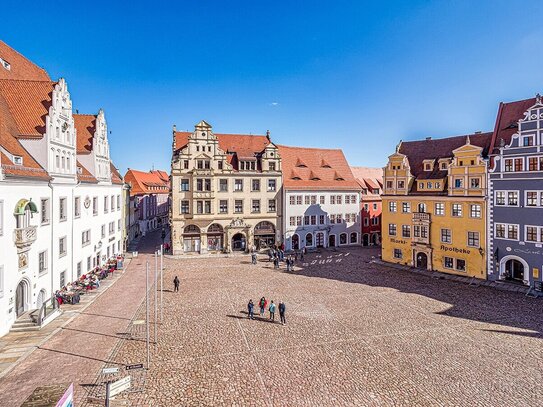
x,y
226,191
60,194
321,199
149,201
434,205
371,184
516,194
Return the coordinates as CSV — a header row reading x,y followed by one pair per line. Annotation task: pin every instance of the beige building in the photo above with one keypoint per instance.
x,y
226,191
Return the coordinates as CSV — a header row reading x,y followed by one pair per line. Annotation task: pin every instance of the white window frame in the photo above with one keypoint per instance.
x,y
506,231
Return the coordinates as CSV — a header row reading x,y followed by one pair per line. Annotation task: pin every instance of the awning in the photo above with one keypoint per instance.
x,y
21,207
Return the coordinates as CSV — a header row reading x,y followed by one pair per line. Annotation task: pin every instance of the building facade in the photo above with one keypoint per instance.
x,y
371,184
516,194
321,199
149,201
434,205
226,191
59,191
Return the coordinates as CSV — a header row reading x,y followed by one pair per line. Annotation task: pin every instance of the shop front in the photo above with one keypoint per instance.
x,y
264,235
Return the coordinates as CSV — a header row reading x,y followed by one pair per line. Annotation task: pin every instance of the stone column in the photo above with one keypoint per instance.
x,y
203,243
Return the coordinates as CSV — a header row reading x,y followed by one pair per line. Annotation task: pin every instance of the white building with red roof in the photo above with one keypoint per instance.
x,y
60,195
226,191
321,199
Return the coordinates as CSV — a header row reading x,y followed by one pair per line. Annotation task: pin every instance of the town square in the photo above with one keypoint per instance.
x,y
284,204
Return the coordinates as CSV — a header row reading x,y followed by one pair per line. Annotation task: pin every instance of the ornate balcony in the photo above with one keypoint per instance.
x,y
421,217
24,237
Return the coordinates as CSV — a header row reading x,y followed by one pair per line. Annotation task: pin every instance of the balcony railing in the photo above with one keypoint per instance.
x,y
421,216
24,237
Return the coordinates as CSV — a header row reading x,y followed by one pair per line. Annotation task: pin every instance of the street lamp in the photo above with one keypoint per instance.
x,y
163,235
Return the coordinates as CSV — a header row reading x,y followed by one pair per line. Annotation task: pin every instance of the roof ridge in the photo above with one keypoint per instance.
x,y
309,148
27,80
22,56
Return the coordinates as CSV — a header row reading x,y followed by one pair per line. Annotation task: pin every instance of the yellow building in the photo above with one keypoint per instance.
x,y
434,205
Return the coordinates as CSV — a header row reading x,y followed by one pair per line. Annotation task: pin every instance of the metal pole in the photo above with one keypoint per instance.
x,y
107,393
161,281
147,313
156,291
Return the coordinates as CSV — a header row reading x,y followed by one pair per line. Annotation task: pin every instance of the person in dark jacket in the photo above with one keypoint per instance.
x,y
250,309
262,304
282,310
176,284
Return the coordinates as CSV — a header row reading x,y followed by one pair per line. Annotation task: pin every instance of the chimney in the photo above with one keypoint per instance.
x,y
268,135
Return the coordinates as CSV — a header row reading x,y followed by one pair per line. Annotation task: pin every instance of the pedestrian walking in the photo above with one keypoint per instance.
x,y
282,310
262,304
276,262
250,309
272,311
302,255
296,255
253,257
176,284
270,255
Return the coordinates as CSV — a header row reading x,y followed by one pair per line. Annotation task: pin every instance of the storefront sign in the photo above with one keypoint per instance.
x,y
454,249
538,286
397,241
135,367
110,370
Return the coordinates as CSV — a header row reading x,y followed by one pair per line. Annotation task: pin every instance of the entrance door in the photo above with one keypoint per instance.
x,y
238,242
20,299
320,239
365,240
422,261
514,270
332,241
295,242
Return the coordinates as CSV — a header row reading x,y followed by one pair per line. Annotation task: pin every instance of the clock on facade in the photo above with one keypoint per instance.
x,y
87,202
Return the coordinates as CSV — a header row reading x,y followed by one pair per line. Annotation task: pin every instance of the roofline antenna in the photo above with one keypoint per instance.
x,y
398,146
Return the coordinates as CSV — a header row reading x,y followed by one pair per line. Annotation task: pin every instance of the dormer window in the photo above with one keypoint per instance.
x,y
17,160
443,166
296,178
5,64
376,191
247,165
300,164
79,170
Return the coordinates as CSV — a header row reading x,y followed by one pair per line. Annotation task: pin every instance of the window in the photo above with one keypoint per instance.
x,y
528,141
118,202
85,238
406,207
105,204
272,206
421,185
448,262
531,198
446,236
389,185
103,230
220,165
238,206
457,210
112,203
401,184
474,183
406,231
473,239
223,185
184,207
77,207
119,224
44,206
459,183
438,185
512,232
461,265
500,231
298,221
354,237
321,219
185,185
500,198
429,185
475,211
42,262
519,164
272,185
255,207
306,199
366,221
531,234
62,246
343,238
63,278
322,199
398,253
95,206
292,200
292,221
392,229
374,221
512,198
111,227
338,199
439,209
255,185
532,164
223,206
238,185
392,207
185,164
508,165
203,207
203,184
313,219
374,206
271,166
88,263
62,209
313,199
79,270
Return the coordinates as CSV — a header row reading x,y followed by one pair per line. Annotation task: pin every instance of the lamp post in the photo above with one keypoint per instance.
x,y
163,235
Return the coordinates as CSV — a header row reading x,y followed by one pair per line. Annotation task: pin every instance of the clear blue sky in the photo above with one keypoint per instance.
x,y
354,75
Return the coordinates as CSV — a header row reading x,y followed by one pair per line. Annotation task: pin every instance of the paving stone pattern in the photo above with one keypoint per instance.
x,y
358,333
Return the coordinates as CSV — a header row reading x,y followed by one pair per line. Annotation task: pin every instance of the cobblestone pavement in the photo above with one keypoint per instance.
x,y
358,334
77,351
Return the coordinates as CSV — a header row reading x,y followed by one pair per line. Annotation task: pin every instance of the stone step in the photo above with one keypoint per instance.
x,y
23,323
24,328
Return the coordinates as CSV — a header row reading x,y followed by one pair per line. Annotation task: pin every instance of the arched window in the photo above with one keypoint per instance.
x,y
309,239
343,238
422,207
191,229
354,237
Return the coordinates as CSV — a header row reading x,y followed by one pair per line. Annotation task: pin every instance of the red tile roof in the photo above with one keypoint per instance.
x,y
28,103
20,67
316,168
434,149
85,126
241,146
84,175
145,182
507,121
370,178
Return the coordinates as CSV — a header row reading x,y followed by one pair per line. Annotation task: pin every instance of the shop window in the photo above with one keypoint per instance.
x,y
398,253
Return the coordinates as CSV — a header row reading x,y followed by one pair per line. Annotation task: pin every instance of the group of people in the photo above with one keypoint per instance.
x,y
277,255
262,304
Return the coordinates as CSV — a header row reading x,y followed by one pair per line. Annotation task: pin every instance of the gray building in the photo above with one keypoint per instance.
x,y
516,193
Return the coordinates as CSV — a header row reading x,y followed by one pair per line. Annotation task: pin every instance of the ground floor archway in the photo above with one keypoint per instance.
x,y
215,237
332,241
264,235
513,268
21,297
191,239
309,239
422,260
295,242
319,239
239,242
354,238
366,240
